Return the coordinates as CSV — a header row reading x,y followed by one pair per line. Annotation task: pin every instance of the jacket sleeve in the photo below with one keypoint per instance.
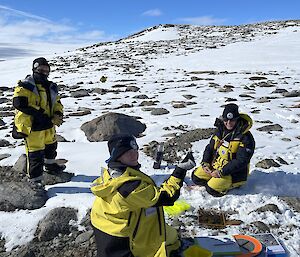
x,y
209,150
145,195
243,156
58,107
21,101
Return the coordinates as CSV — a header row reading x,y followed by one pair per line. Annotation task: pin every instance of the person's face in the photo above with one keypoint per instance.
x,y
130,158
43,69
230,124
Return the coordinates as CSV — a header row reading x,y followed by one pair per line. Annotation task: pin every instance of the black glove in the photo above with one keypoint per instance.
x,y
41,122
188,162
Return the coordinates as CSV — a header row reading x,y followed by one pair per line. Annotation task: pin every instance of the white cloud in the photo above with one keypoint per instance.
x,y
152,13
21,29
203,20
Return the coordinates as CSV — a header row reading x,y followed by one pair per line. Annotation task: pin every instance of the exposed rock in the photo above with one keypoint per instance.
x,y
102,128
60,138
293,202
4,156
141,97
159,111
20,165
177,145
189,96
80,93
258,227
262,100
257,78
132,89
4,143
282,161
293,93
57,221
279,91
268,128
2,123
21,195
148,103
269,207
267,164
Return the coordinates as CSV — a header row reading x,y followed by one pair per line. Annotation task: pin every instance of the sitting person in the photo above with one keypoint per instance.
x,y
127,215
225,163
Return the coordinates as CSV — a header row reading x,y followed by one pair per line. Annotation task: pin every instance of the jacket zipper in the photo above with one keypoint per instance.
x,y
159,221
137,225
129,219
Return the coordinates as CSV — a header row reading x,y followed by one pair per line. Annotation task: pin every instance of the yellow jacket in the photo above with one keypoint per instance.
x,y
134,216
31,100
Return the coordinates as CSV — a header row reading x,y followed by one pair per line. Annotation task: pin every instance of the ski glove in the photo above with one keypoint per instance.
x,y
188,162
57,119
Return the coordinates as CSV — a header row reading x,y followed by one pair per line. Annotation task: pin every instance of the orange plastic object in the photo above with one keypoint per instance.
x,y
243,241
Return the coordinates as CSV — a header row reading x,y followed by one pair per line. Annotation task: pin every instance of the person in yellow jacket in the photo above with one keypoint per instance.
x,y
127,214
225,163
38,110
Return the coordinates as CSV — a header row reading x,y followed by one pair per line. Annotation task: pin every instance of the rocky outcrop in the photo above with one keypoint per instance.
x,y
102,128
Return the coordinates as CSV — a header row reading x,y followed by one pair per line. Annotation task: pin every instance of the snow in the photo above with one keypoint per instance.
x,y
278,55
157,35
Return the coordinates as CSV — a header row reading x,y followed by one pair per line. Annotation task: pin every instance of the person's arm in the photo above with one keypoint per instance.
x,y
243,156
137,194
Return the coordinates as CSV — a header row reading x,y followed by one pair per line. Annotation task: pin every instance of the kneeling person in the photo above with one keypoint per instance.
x,y
225,163
128,215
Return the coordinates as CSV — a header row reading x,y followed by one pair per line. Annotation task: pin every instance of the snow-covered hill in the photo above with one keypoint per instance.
x,y
191,71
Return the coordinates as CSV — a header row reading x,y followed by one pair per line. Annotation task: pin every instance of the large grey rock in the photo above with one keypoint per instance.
x,y
21,195
267,164
57,221
268,128
102,128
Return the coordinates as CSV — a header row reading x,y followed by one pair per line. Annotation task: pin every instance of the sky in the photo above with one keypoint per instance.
x,y
264,185
50,25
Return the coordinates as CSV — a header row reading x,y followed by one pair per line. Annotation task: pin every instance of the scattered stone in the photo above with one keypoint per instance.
x,y
279,91
2,123
257,78
4,156
60,138
267,164
80,93
132,89
148,103
4,143
262,100
159,111
189,96
141,97
258,227
282,161
179,144
285,139
56,222
293,93
21,195
268,128
269,207
293,202
103,127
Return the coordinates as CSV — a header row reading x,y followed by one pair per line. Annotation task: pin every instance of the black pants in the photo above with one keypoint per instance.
x,y
111,246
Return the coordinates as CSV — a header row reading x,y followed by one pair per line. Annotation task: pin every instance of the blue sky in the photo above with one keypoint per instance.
x,y
91,21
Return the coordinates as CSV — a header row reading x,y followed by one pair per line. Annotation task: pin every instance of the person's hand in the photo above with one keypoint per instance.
x,y
216,174
207,170
57,119
188,162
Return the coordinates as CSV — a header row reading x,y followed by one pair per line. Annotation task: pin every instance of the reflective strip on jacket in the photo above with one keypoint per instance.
x,y
133,216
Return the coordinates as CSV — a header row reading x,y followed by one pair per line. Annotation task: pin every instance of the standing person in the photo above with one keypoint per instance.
x,y
226,158
38,110
127,214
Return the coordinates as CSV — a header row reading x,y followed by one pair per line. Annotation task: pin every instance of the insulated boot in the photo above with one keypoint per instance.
x,y
54,168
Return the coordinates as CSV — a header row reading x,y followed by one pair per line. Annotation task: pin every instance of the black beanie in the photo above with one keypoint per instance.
x,y
38,62
231,112
119,144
